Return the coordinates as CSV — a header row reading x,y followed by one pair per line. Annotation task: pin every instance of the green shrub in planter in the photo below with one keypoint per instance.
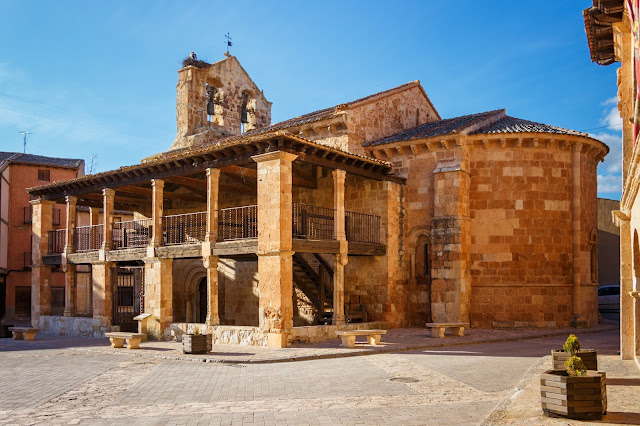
x,y
572,348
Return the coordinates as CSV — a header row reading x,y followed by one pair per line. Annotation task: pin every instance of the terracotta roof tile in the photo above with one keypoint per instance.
x,y
16,157
517,125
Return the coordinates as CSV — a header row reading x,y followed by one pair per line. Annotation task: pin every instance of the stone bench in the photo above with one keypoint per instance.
x,y
117,339
24,333
437,328
349,337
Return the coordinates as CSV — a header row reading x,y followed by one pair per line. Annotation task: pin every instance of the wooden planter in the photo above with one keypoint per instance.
x,y
589,358
195,344
580,398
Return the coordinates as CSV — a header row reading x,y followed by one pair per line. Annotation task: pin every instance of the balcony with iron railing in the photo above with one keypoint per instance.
x,y
132,233
236,223
57,239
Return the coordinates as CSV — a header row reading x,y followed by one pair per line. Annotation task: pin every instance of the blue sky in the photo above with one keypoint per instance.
x,y
99,77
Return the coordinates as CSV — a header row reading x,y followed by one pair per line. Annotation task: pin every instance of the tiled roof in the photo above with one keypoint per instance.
x,y
16,157
518,125
437,128
489,122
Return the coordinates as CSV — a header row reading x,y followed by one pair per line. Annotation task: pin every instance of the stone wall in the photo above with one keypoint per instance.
x,y
74,326
387,114
238,281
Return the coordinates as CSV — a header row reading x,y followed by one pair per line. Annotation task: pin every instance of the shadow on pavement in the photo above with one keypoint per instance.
x,y
623,382
620,418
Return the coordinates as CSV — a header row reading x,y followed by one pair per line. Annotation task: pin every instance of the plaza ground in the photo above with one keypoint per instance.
x,y
58,380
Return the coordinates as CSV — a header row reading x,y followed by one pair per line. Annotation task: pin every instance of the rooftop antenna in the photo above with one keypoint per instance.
x,y
229,44
24,145
92,164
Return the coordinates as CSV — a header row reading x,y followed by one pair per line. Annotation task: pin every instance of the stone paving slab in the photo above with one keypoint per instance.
x,y
396,340
623,396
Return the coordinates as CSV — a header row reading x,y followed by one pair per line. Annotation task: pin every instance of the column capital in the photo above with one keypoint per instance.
x,y
276,155
213,172
157,182
70,199
109,192
339,174
39,201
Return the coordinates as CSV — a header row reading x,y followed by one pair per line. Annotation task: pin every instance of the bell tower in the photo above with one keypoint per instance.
x,y
215,101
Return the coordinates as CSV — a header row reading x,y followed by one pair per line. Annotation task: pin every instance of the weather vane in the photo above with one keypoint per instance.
x,y
229,43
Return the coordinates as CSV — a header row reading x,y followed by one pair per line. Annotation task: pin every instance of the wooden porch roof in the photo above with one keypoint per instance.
x,y
230,152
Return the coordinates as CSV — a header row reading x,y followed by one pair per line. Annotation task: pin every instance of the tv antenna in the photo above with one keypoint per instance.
x,y
24,144
229,43
92,164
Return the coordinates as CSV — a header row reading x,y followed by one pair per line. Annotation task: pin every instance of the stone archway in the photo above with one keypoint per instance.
x,y
419,276
419,242
187,275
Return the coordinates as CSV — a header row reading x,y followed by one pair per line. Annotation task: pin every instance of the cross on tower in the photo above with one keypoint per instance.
x,y
229,43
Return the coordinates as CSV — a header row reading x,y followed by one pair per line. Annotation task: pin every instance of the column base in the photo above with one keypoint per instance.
x,y
277,340
69,312
578,321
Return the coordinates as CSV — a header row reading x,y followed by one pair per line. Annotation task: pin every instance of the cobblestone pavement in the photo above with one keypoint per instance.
x,y
623,393
396,340
49,384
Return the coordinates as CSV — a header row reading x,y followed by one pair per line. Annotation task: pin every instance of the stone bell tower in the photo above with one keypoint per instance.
x,y
215,101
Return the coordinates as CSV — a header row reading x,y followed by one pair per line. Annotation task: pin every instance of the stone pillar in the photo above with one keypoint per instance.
x,y
450,239
42,223
107,221
157,205
94,216
158,296
70,295
102,288
576,312
213,179
626,285
213,309
275,262
341,258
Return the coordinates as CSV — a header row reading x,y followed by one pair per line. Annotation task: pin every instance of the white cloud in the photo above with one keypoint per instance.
x,y
612,100
609,184
612,119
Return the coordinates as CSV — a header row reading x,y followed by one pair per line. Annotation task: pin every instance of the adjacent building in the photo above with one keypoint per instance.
x,y
374,212
612,33
18,172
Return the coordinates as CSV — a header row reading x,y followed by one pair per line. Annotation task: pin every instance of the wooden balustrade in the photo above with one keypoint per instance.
x,y
87,238
189,228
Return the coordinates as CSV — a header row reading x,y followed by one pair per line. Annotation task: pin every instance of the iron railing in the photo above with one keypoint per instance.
x,y
132,233
313,222
57,239
238,223
187,228
362,228
88,238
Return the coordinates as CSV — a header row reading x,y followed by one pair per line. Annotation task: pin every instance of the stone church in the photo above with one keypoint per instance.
x,y
375,212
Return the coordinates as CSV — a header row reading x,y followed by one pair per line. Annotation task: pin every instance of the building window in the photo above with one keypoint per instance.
x,y
427,263
57,300
44,175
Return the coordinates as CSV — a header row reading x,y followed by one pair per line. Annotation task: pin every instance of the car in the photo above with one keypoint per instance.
x,y
609,298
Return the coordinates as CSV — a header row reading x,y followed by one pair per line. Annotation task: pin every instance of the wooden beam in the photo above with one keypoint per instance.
x,y
251,173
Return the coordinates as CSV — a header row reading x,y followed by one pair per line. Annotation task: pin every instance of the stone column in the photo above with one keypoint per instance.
x,y
576,312
107,221
341,258
213,309
450,239
157,205
69,269
102,285
158,296
626,285
213,179
275,262
42,223
94,216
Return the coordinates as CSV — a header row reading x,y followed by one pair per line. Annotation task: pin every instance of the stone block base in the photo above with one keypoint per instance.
x,y
74,326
